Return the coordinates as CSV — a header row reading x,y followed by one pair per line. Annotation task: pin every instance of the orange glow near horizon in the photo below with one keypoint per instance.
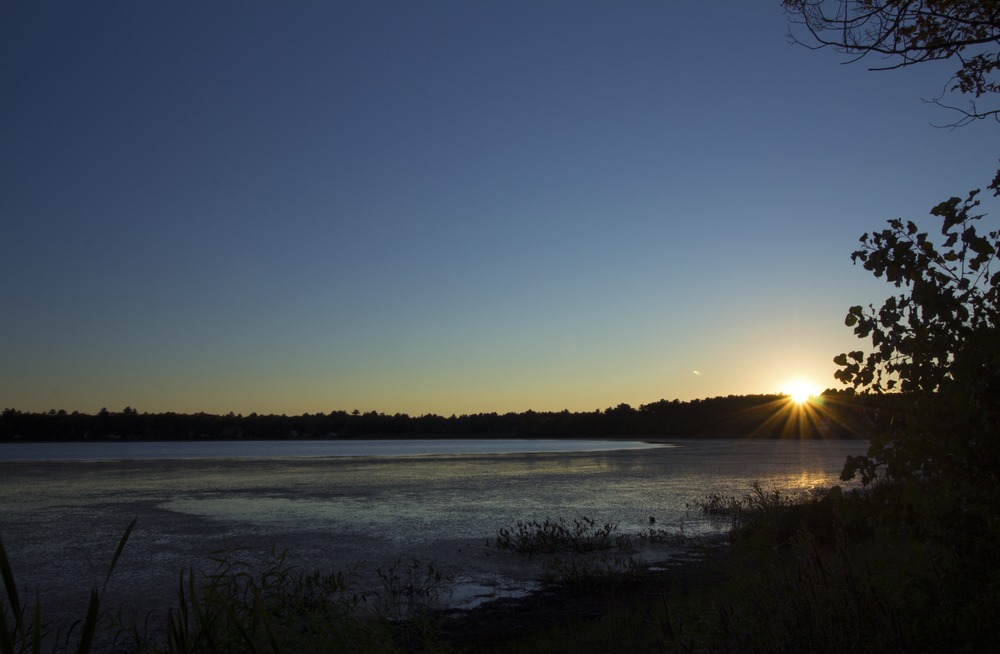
x,y
801,391
806,413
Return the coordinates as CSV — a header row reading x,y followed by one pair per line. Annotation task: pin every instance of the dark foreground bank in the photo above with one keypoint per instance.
x,y
826,575
576,618
806,576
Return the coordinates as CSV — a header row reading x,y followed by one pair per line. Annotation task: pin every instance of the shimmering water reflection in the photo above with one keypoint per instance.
x,y
60,520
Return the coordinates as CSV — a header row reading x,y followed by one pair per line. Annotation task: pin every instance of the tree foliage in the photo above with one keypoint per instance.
x,y
761,416
937,342
905,33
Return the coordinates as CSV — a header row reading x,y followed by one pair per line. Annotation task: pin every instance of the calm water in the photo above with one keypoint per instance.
x,y
60,519
135,451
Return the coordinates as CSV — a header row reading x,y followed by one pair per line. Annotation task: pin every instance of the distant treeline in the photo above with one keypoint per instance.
x,y
834,413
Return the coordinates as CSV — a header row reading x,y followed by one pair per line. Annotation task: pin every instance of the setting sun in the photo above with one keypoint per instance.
x,y
800,390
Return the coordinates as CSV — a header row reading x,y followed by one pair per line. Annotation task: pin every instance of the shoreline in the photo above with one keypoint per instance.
x,y
505,619
61,520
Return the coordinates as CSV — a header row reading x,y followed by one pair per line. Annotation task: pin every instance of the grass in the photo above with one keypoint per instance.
x,y
582,536
270,607
818,575
21,634
587,557
551,536
249,604
406,588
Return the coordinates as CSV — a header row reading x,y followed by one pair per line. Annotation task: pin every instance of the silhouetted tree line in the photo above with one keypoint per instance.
x,y
835,413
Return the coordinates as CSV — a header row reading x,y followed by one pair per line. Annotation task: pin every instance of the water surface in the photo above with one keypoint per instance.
x,y
60,520
298,449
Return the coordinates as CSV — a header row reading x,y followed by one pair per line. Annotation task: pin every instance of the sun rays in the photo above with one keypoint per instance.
x,y
801,391
801,411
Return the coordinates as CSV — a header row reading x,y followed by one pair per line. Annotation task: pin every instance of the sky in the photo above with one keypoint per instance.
x,y
442,207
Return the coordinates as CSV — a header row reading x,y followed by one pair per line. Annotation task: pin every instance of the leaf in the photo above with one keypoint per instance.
x,y
90,622
15,603
119,549
36,642
262,616
6,637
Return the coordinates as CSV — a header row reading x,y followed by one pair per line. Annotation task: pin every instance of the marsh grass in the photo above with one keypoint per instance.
x,y
20,633
406,588
583,556
551,536
749,511
270,607
246,604
581,536
584,574
807,597
813,574
775,516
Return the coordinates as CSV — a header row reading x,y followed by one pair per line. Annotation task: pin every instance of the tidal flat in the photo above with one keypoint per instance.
x,y
60,521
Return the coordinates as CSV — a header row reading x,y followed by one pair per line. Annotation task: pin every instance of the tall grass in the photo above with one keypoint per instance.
x,y
549,536
809,598
583,555
582,536
406,588
817,575
272,607
20,634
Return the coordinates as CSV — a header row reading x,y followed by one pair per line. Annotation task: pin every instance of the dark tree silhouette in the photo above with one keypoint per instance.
x,y
905,33
938,342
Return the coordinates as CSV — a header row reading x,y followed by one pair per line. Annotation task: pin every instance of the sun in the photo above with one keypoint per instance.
x,y
801,390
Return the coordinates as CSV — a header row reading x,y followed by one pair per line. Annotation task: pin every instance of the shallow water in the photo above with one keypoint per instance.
x,y
298,449
60,521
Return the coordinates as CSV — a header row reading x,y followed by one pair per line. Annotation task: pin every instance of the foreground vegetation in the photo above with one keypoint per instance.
x,y
823,575
834,573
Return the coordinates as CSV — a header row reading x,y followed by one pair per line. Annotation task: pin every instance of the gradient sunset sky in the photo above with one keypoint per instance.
x,y
442,207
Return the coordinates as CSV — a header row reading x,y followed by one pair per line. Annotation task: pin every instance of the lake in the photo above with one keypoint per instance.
x,y
339,504
298,449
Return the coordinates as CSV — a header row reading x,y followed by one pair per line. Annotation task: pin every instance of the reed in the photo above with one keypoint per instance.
x,y
582,536
246,607
20,634
407,588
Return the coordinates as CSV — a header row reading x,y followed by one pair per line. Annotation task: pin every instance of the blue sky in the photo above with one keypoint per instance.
x,y
442,207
